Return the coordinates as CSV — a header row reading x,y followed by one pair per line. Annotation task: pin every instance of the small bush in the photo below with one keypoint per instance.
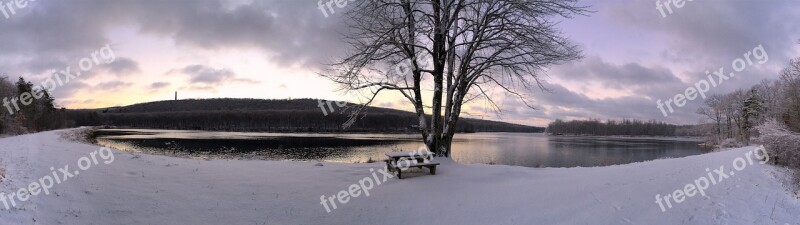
x,y
730,143
782,145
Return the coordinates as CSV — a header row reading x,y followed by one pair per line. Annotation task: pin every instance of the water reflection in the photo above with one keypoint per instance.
x,y
520,149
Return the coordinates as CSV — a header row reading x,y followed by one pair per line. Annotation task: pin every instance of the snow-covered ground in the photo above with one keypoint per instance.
x,y
147,189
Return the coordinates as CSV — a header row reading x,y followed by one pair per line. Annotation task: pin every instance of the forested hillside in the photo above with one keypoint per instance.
x,y
297,115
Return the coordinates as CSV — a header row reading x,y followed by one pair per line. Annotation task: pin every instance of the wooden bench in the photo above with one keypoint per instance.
x,y
414,159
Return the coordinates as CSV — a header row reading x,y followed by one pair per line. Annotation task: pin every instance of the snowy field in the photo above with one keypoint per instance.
x,y
146,189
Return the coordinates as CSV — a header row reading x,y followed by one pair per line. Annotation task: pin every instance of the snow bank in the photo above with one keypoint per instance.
x,y
148,189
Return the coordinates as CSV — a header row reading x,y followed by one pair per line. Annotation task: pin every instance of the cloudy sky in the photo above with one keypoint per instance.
x,y
274,49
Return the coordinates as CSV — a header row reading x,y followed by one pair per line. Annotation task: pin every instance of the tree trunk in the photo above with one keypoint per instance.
x,y
439,56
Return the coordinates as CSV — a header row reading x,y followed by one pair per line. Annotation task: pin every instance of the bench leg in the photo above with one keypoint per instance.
x,y
432,169
389,165
400,174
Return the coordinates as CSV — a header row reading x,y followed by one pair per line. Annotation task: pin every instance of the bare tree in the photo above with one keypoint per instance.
x,y
713,110
469,47
790,78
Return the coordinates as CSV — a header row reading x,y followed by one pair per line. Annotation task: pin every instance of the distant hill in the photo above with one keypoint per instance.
x,y
286,115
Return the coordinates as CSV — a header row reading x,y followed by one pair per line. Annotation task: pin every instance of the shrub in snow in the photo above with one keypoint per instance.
x,y
782,145
729,143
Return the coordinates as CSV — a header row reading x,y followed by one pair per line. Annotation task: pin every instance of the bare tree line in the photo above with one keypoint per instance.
x,y
624,127
735,115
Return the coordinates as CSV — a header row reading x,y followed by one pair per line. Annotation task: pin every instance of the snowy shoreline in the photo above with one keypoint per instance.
x,y
151,189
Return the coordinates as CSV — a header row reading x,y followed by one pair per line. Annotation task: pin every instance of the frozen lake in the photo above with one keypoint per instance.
x,y
518,149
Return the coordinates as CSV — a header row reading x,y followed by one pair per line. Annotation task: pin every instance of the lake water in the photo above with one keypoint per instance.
x,y
519,149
